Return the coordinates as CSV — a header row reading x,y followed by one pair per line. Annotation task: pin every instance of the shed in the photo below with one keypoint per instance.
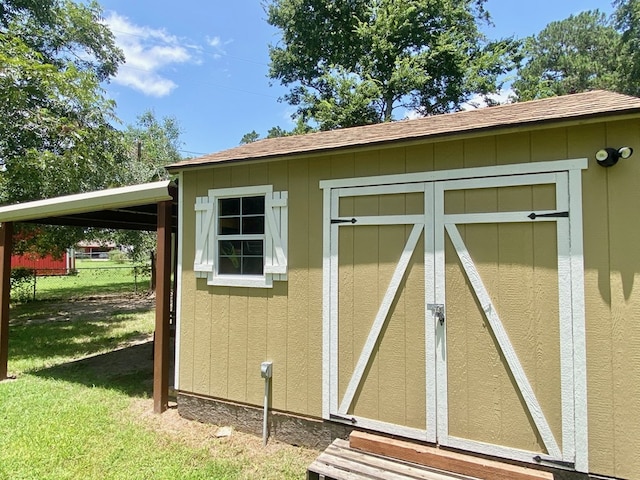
x,y
464,280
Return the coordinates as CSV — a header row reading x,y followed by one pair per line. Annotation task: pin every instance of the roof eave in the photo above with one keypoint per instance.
x,y
505,127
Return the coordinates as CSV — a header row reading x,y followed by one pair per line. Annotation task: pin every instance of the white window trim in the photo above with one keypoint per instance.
x,y
275,238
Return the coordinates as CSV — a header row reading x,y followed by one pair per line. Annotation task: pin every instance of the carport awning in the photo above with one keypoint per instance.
x,y
130,208
149,206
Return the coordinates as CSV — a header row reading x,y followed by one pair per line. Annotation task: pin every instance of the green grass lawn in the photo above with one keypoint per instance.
x,y
92,277
79,407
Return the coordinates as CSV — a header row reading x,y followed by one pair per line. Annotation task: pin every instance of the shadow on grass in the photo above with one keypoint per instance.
x,y
70,339
98,342
128,370
73,291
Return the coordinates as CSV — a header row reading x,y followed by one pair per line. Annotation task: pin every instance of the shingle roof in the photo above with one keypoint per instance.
x,y
569,107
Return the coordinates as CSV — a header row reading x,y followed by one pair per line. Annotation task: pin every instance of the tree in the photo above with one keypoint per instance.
x,y
627,20
573,55
56,135
250,137
354,62
151,144
55,123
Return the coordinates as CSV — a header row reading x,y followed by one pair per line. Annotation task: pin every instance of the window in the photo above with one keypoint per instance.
x,y
241,236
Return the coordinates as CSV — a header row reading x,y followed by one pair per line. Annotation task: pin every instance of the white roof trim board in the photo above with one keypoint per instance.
x,y
109,199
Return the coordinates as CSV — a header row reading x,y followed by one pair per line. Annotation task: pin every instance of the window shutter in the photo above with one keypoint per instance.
x,y
276,235
204,261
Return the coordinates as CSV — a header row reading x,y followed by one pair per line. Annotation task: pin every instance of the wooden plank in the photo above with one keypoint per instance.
x,y
392,469
480,468
340,462
6,234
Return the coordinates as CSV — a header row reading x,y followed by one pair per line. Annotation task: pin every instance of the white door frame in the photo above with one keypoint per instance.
x,y
566,174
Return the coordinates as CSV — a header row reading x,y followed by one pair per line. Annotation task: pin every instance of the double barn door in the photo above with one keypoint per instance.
x,y
453,310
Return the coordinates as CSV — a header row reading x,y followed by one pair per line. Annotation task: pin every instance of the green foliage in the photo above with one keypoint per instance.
x,y
151,144
353,62
577,54
56,135
250,137
118,256
22,279
627,20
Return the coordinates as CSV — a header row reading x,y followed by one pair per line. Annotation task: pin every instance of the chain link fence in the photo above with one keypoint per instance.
x,y
43,284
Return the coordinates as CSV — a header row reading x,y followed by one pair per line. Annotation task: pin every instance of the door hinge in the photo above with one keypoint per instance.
x,y
343,220
555,463
533,216
343,419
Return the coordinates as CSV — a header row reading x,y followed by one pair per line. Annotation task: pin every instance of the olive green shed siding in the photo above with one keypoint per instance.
x,y
225,333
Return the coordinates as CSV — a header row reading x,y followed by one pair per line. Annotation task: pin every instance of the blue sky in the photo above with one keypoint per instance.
x,y
206,62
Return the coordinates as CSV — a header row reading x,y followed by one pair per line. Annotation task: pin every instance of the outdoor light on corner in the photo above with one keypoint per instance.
x,y
608,157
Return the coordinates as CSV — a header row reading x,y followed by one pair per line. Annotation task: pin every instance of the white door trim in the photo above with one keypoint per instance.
x,y
435,223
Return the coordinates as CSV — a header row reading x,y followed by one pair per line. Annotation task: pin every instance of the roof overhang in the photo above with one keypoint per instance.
x,y
129,208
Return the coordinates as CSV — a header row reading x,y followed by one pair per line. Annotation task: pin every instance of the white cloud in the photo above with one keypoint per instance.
x,y
148,51
503,96
411,115
218,46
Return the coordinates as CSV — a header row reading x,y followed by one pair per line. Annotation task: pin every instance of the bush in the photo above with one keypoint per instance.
x,y
22,281
118,256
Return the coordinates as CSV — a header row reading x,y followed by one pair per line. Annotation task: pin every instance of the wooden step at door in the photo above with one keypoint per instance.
x,y
340,462
445,460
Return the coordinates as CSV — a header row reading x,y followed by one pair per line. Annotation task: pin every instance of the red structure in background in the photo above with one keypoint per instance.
x,y
44,265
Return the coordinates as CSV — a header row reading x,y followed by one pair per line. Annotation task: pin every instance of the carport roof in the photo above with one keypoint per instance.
x,y
129,208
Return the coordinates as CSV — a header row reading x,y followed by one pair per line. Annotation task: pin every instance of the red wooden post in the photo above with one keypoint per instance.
x,y
6,234
163,288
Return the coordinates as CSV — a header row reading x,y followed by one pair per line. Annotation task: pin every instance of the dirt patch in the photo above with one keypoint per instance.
x,y
86,307
276,460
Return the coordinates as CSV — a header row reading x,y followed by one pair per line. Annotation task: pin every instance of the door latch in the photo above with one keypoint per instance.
x,y
437,309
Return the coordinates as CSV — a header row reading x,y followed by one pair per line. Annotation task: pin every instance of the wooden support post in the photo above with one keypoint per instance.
x,y
163,288
6,242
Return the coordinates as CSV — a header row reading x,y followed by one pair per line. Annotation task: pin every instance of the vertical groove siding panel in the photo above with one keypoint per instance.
x,y
219,358
317,171
513,148
548,144
202,312
190,286
298,311
278,302
419,158
256,344
584,141
238,347
624,235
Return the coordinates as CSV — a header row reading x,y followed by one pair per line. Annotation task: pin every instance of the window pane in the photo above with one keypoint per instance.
x,y
253,205
252,225
229,206
230,248
252,248
229,266
229,226
252,265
